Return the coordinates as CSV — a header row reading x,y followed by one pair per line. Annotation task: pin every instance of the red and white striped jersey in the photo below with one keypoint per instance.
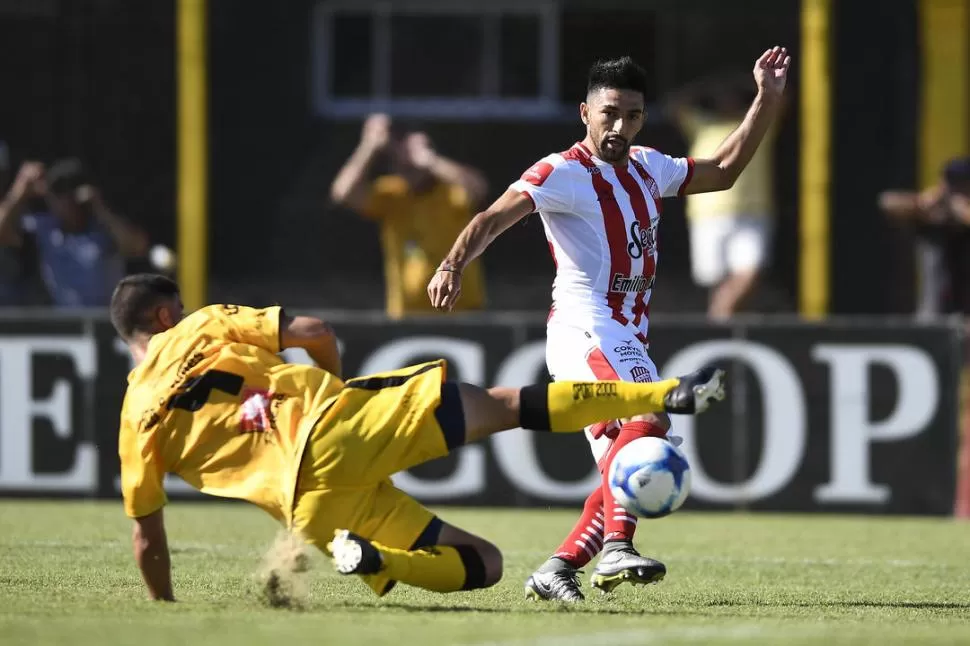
x,y
601,224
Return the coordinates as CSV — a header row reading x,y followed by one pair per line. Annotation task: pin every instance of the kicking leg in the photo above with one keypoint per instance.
x,y
567,406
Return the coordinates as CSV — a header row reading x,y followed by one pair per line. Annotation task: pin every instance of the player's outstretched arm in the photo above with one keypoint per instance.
x,y
151,553
722,169
316,337
445,286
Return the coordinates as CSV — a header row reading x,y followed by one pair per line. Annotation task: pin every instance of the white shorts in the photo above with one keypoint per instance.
x,y
609,352
721,246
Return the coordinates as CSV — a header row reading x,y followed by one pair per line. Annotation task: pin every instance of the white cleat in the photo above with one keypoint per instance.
x,y
353,555
626,566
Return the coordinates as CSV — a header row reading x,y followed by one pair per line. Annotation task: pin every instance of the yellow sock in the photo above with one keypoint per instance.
x,y
439,568
568,406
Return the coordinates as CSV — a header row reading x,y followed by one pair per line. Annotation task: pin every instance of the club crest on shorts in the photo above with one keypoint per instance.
x,y
640,374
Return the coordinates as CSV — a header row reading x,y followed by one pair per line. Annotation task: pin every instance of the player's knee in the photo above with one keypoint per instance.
x,y
483,564
493,560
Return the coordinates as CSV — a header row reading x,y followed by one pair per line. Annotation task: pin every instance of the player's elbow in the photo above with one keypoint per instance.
x,y
307,332
339,194
727,178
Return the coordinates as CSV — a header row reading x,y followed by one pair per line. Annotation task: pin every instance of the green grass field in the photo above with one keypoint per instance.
x,y
67,577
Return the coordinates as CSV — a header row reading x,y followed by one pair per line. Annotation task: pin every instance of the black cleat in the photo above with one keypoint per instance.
x,y
561,585
695,391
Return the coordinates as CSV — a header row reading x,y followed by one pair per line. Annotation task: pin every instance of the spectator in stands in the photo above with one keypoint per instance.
x,y
940,217
81,244
421,208
730,231
11,278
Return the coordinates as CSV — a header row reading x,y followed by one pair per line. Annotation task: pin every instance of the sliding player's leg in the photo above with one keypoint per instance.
x,y
570,406
399,540
403,418
348,507
391,422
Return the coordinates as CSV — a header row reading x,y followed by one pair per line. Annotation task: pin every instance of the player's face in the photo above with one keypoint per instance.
x,y
613,118
66,209
411,157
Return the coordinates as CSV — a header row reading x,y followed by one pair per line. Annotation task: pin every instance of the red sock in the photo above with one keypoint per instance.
x,y
621,524
586,538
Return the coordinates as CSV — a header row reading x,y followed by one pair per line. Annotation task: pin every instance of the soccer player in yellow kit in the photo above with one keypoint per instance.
x,y
211,401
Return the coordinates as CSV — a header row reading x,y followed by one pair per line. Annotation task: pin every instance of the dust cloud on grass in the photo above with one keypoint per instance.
x,y
282,574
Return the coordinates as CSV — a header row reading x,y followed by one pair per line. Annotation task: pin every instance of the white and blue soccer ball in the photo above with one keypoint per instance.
x,y
650,477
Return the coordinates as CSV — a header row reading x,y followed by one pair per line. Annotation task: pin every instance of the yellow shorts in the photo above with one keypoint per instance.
x,y
379,425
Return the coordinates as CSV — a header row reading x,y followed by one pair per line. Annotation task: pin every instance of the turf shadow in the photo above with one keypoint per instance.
x,y
858,603
357,606
915,605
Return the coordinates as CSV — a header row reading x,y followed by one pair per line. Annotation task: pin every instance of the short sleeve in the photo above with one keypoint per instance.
x,y
142,471
383,197
241,324
672,174
547,184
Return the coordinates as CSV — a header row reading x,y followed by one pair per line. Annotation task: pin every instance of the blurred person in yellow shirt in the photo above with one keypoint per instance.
x,y
730,231
421,208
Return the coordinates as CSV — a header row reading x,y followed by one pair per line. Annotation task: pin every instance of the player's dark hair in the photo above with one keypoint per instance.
x,y
617,74
135,299
65,176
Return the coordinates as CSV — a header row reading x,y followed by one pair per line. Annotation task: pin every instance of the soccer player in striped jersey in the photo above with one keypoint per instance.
x,y
600,203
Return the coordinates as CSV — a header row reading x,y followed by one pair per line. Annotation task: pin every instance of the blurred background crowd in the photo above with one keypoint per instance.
x,y
349,142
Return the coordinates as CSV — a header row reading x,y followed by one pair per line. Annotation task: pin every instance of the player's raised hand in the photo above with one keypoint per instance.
x,y
771,71
29,182
444,288
377,132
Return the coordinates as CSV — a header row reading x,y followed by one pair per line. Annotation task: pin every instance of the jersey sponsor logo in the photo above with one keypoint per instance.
x,y
647,179
640,374
593,390
631,284
256,414
642,240
538,174
630,351
188,364
629,348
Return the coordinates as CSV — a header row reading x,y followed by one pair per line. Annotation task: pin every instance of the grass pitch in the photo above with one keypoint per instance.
x,y
67,577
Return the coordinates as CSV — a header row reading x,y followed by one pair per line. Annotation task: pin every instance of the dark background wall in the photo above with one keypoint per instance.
x,y
95,78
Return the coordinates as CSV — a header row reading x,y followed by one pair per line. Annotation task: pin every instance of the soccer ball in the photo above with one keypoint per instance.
x,y
650,477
